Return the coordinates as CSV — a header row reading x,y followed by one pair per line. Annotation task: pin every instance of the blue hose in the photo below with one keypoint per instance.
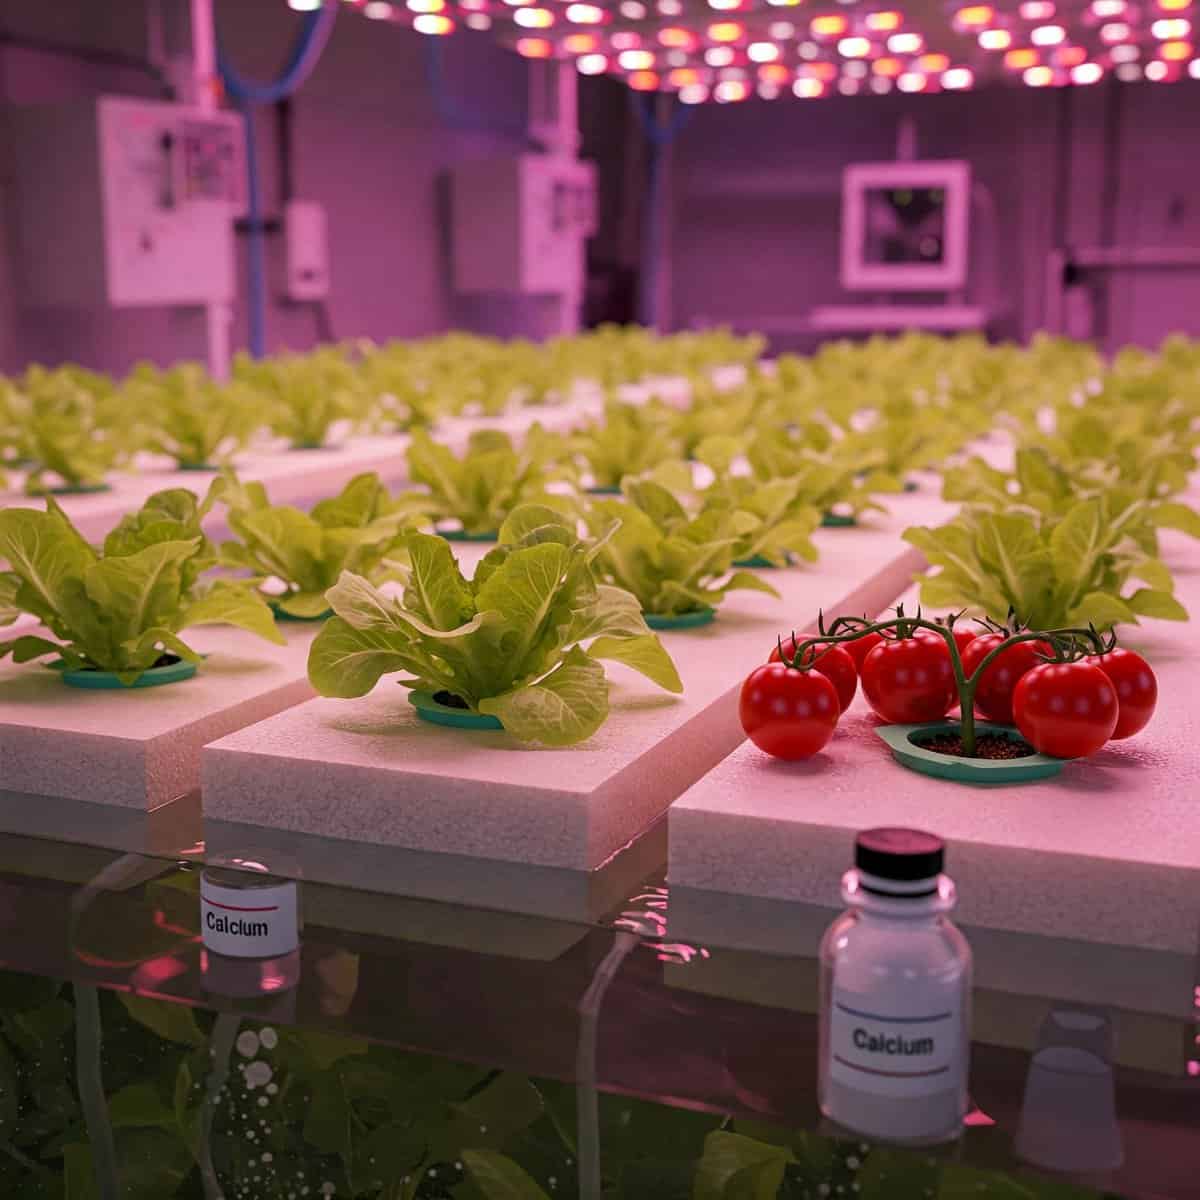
x,y
659,137
305,52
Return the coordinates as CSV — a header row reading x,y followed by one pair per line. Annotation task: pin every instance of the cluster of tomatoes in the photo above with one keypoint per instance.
x,y
1064,709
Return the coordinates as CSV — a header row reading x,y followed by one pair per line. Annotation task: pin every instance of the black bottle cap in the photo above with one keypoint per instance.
x,y
901,855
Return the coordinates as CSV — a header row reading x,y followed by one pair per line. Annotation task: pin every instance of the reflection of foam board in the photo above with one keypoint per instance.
x,y
1059,969
140,748
1145,1041
1106,852
368,773
571,895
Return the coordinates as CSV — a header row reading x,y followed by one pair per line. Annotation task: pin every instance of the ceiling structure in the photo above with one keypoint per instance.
x,y
731,50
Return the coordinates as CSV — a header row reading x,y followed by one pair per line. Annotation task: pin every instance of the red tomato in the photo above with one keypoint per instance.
x,y
858,650
1137,689
788,713
994,695
962,638
1068,710
833,662
908,680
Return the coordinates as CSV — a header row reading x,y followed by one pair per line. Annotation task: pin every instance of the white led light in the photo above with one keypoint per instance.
x,y
591,64
1037,10
762,52
304,5
718,56
1108,8
533,18
694,93
479,21
957,79
906,43
781,30
433,24
1156,71
635,60
1171,27
854,47
1088,72
1048,35
670,8
377,10
1194,68
584,14
911,81
1115,31
848,87
807,89
1124,54
631,10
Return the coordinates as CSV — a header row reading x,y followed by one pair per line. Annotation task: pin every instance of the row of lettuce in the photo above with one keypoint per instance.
x,y
70,427
730,479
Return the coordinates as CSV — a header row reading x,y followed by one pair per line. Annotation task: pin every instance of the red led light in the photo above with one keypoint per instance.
x,y
1175,51
683,76
975,16
1174,5
774,73
933,63
675,38
1020,60
824,71
534,48
643,81
888,67
580,43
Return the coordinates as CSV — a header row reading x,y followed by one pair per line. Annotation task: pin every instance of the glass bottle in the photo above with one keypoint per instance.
x,y
895,996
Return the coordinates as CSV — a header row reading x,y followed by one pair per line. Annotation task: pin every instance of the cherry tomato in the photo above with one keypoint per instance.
x,y
908,680
994,694
833,662
859,649
962,637
787,712
1067,710
1137,689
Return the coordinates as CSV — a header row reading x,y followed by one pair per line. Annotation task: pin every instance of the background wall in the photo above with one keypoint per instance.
x,y
752,189
756,200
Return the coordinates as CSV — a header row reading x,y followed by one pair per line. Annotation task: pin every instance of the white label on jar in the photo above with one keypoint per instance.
x,y
875,1049
249,922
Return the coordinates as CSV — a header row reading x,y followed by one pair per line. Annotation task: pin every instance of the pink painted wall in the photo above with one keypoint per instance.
x,y
755,202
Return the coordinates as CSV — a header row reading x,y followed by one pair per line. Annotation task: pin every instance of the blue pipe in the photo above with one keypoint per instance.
x,y
305,52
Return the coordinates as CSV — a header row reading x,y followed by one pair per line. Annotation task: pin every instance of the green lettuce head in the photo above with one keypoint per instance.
x,y
523,640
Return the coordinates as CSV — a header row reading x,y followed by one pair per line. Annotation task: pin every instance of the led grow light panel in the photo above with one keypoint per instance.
x,y
728,51
1107,852
140,749
367,772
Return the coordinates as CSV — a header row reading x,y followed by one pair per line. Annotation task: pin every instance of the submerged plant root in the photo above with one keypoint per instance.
x,y
987,745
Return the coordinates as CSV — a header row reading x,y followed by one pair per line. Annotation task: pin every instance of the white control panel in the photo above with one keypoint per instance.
x,y
306,237
520,224
124,202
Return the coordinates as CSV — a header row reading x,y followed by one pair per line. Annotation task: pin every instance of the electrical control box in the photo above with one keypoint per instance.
x,y
122,202
519,224
306,237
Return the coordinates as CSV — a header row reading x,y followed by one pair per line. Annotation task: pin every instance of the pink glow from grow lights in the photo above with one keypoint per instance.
x,y
670,8
1125,53
632,10
377,10
995,39
694,93
626,39
1069,56
1115,31
719,56
1036,10
1108,8
1088,72
478,21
